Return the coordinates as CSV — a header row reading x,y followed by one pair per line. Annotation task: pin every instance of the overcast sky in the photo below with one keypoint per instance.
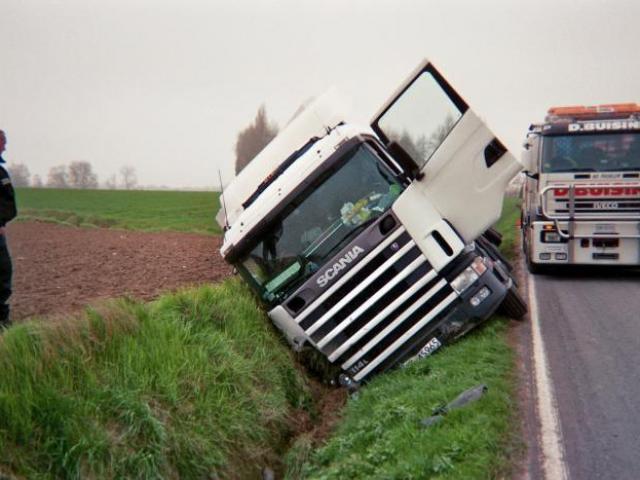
x,y
165,85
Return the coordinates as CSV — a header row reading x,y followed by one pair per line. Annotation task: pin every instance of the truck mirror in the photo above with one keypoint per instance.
x,y
527,159
403,158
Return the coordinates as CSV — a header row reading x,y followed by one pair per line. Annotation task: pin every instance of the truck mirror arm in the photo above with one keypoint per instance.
x,y
404,160
535,176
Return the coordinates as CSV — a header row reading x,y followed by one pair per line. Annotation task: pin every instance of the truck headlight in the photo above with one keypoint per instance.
x,y
469,275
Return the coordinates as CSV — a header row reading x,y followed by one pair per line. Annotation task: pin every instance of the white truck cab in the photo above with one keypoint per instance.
x,y
581,199
365,242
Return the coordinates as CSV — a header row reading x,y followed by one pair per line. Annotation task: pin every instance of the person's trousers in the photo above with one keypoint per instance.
x,y
5,278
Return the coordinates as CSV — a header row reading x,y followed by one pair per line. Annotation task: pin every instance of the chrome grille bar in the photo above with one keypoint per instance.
x,y
388,241
373,299
347,298
412,331
383,314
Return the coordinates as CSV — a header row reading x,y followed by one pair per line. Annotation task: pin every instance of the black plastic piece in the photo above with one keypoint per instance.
x,y
444,245
387,224
493,152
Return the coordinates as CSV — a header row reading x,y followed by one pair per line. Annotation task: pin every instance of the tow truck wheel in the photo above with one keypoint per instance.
x,y
534,268
513,305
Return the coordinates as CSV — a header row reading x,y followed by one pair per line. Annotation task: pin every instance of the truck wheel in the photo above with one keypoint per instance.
x,y
534,268
494,253
493,236
513,305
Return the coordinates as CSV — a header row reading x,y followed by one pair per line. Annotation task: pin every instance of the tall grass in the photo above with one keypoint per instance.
x,y
195,385
128,209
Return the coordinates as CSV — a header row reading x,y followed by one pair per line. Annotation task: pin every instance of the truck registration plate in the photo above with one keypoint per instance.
x,y
431,346
605,228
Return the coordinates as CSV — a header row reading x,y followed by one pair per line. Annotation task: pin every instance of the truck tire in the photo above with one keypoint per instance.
x,y
534,268
513,305
493,236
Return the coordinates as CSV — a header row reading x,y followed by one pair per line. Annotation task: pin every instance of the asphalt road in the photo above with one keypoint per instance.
x,y
590,324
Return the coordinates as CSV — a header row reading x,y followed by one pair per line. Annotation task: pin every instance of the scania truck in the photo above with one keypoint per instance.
x,y
581,197
366,242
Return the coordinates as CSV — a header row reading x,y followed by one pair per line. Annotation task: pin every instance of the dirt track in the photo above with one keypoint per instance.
x,y
60,269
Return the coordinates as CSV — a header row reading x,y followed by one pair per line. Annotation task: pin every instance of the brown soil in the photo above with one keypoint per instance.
x,y
60,269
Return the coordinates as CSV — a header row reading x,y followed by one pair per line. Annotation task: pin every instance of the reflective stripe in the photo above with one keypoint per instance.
x,y
412,331
361,286
350,274
373,299
384,313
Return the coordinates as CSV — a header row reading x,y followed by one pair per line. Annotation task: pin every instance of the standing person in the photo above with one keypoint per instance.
x,y
7,212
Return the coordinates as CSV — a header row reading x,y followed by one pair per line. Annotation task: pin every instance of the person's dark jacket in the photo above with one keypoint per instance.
x,y
8,209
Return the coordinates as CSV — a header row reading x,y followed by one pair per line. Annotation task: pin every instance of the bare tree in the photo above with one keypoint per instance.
x,y
111,183
36,181
58,177
19,174
81,175
129,178
254,138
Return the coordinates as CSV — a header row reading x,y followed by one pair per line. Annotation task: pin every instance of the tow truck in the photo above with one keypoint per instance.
x,y
369,243
581,197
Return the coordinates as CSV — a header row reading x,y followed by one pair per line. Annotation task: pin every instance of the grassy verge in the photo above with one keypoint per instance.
x,y
194,385
127,209
380,436
508,226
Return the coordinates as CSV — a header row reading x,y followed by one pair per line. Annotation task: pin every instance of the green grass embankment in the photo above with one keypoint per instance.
x,y
194,385
126,209
198,385
380,436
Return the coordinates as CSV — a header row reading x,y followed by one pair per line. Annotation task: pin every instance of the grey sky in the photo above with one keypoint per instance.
x,y
165,85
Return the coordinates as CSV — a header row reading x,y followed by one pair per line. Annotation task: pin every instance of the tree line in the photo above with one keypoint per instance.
x,y
250,141
74,175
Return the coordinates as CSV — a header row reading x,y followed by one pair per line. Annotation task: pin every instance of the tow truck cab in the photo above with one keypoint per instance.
x,y
366,242
581,202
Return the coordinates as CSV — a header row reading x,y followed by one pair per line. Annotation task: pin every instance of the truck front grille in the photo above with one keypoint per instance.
x,y
366,320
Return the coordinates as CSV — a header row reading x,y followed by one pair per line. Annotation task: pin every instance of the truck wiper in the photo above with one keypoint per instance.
x,y
360,228
279,171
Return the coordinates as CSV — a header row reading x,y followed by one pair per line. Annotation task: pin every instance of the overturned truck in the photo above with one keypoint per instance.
x,y
370,243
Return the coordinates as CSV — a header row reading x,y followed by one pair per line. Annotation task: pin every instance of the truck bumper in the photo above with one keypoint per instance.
x,y
596,243
468,313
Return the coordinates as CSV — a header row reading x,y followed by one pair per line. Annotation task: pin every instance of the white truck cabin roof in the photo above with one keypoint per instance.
x,y
284,185
315,120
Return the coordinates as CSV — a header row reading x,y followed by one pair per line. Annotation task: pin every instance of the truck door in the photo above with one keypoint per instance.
x,y
460,166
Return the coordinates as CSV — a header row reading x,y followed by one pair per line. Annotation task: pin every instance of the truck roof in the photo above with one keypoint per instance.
x,y
590,119
283,186
315,120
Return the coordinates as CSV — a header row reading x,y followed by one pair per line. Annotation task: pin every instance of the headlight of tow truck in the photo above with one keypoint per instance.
x,y
469,275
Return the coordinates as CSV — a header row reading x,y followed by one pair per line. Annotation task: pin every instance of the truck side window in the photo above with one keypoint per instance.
x,y
421,118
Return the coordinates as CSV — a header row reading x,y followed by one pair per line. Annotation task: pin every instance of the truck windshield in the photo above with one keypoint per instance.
x,y
317,224
591,153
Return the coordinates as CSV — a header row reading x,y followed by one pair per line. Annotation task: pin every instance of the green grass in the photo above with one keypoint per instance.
x,y
198,385
508,226
380,436
194,385
127,209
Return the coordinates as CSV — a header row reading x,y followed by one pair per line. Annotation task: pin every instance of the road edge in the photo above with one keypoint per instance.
x,y
550,434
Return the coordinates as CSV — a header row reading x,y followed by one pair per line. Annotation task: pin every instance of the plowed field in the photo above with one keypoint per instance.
x,y
59,269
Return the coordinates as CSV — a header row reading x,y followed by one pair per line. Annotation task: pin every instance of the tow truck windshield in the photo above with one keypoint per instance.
x,y
591,153
319,223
